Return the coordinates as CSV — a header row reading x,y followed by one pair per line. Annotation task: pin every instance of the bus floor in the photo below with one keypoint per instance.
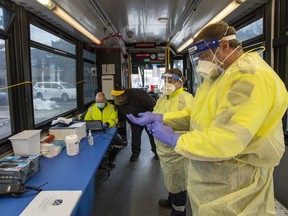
x,y
133,189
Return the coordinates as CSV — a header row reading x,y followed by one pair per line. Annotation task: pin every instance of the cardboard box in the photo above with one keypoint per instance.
x,y
26,142
19,168
60,131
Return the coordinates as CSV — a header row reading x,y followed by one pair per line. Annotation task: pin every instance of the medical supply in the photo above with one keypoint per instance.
x,y
90,138
72,144
53,149
18,168
47,139
61,131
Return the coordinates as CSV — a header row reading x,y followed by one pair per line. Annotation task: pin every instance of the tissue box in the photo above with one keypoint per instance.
x,y
60,131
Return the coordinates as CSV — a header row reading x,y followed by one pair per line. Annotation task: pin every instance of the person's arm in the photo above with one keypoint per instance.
x,y
179,120
242,107
88,115
113,118
146,100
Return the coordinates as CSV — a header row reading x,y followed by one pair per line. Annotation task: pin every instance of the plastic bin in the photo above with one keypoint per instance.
x,y
26,142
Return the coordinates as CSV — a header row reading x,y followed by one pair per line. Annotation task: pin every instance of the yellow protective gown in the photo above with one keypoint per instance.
x,y
174,166
235,140
108,114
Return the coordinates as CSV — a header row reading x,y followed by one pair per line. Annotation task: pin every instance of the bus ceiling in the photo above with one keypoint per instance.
x,y
132,23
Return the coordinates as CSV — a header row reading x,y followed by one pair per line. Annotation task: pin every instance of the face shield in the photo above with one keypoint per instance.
x,y
120,99
203,59
168,83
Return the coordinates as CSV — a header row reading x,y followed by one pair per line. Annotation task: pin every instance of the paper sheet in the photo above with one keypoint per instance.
x,y
51,203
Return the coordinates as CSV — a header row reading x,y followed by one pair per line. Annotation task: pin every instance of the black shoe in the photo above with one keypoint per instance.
x,y
112,164
156,157
134,158
165,203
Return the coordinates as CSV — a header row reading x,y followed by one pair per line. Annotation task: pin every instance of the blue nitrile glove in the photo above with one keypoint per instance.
x,y
145,118
164,134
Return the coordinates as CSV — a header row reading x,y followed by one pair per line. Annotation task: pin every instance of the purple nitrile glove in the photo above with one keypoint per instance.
x,y
164,134
105,125
145,118
149,128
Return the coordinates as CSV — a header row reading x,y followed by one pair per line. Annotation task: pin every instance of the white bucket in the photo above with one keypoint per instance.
x,y
72,144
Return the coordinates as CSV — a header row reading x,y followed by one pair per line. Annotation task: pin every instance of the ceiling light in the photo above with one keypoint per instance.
x,y
47,3
67,18
163,19
220,16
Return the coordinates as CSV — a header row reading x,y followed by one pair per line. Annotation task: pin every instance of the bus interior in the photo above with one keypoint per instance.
x,y
56,54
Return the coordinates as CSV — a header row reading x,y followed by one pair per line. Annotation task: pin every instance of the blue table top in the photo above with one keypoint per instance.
x,y
64,172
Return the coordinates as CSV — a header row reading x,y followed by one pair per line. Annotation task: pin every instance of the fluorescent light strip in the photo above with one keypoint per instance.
x,y
67,18
220,16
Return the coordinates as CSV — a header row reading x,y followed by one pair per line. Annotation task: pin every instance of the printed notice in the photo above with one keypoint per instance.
x,y
52,203
108,68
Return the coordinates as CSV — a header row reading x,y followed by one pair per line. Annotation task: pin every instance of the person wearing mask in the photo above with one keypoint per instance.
x,y
174,166
135,101
236,135
107,113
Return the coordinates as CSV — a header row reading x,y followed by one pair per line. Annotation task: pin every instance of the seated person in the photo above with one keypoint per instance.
x,y
108,114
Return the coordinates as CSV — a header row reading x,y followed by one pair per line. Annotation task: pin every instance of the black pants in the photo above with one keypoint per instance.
x,y
115,147
136,139
178,202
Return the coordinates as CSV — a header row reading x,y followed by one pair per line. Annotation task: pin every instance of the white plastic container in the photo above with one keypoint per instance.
x,y
72,144
26,142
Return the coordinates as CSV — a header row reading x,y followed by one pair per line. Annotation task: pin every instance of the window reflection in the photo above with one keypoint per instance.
x,y
88,55
90,84
250,31
5,18
178,64
54,84
48,39
5,124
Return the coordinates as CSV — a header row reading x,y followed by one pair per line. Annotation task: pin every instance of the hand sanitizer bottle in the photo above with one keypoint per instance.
x,y
90,138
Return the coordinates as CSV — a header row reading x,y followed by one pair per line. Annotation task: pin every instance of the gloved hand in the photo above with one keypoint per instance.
x,y
145,118
164,134
149,128
105,125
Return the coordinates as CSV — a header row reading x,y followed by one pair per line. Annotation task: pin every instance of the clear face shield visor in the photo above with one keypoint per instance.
x,y
202,58
120,99
168,82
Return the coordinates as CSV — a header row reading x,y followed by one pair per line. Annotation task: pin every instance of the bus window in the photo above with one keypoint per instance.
x,y
149,79
90,76
41,36
53,76
250,31
5,125
178,64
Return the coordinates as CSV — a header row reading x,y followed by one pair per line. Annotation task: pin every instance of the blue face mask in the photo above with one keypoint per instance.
x,y
101,105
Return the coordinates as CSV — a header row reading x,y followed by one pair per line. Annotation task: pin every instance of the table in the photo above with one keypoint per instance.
x,y
67,173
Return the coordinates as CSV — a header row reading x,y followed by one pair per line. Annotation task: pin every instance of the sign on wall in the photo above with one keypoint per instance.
x,y
108,69
107,85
